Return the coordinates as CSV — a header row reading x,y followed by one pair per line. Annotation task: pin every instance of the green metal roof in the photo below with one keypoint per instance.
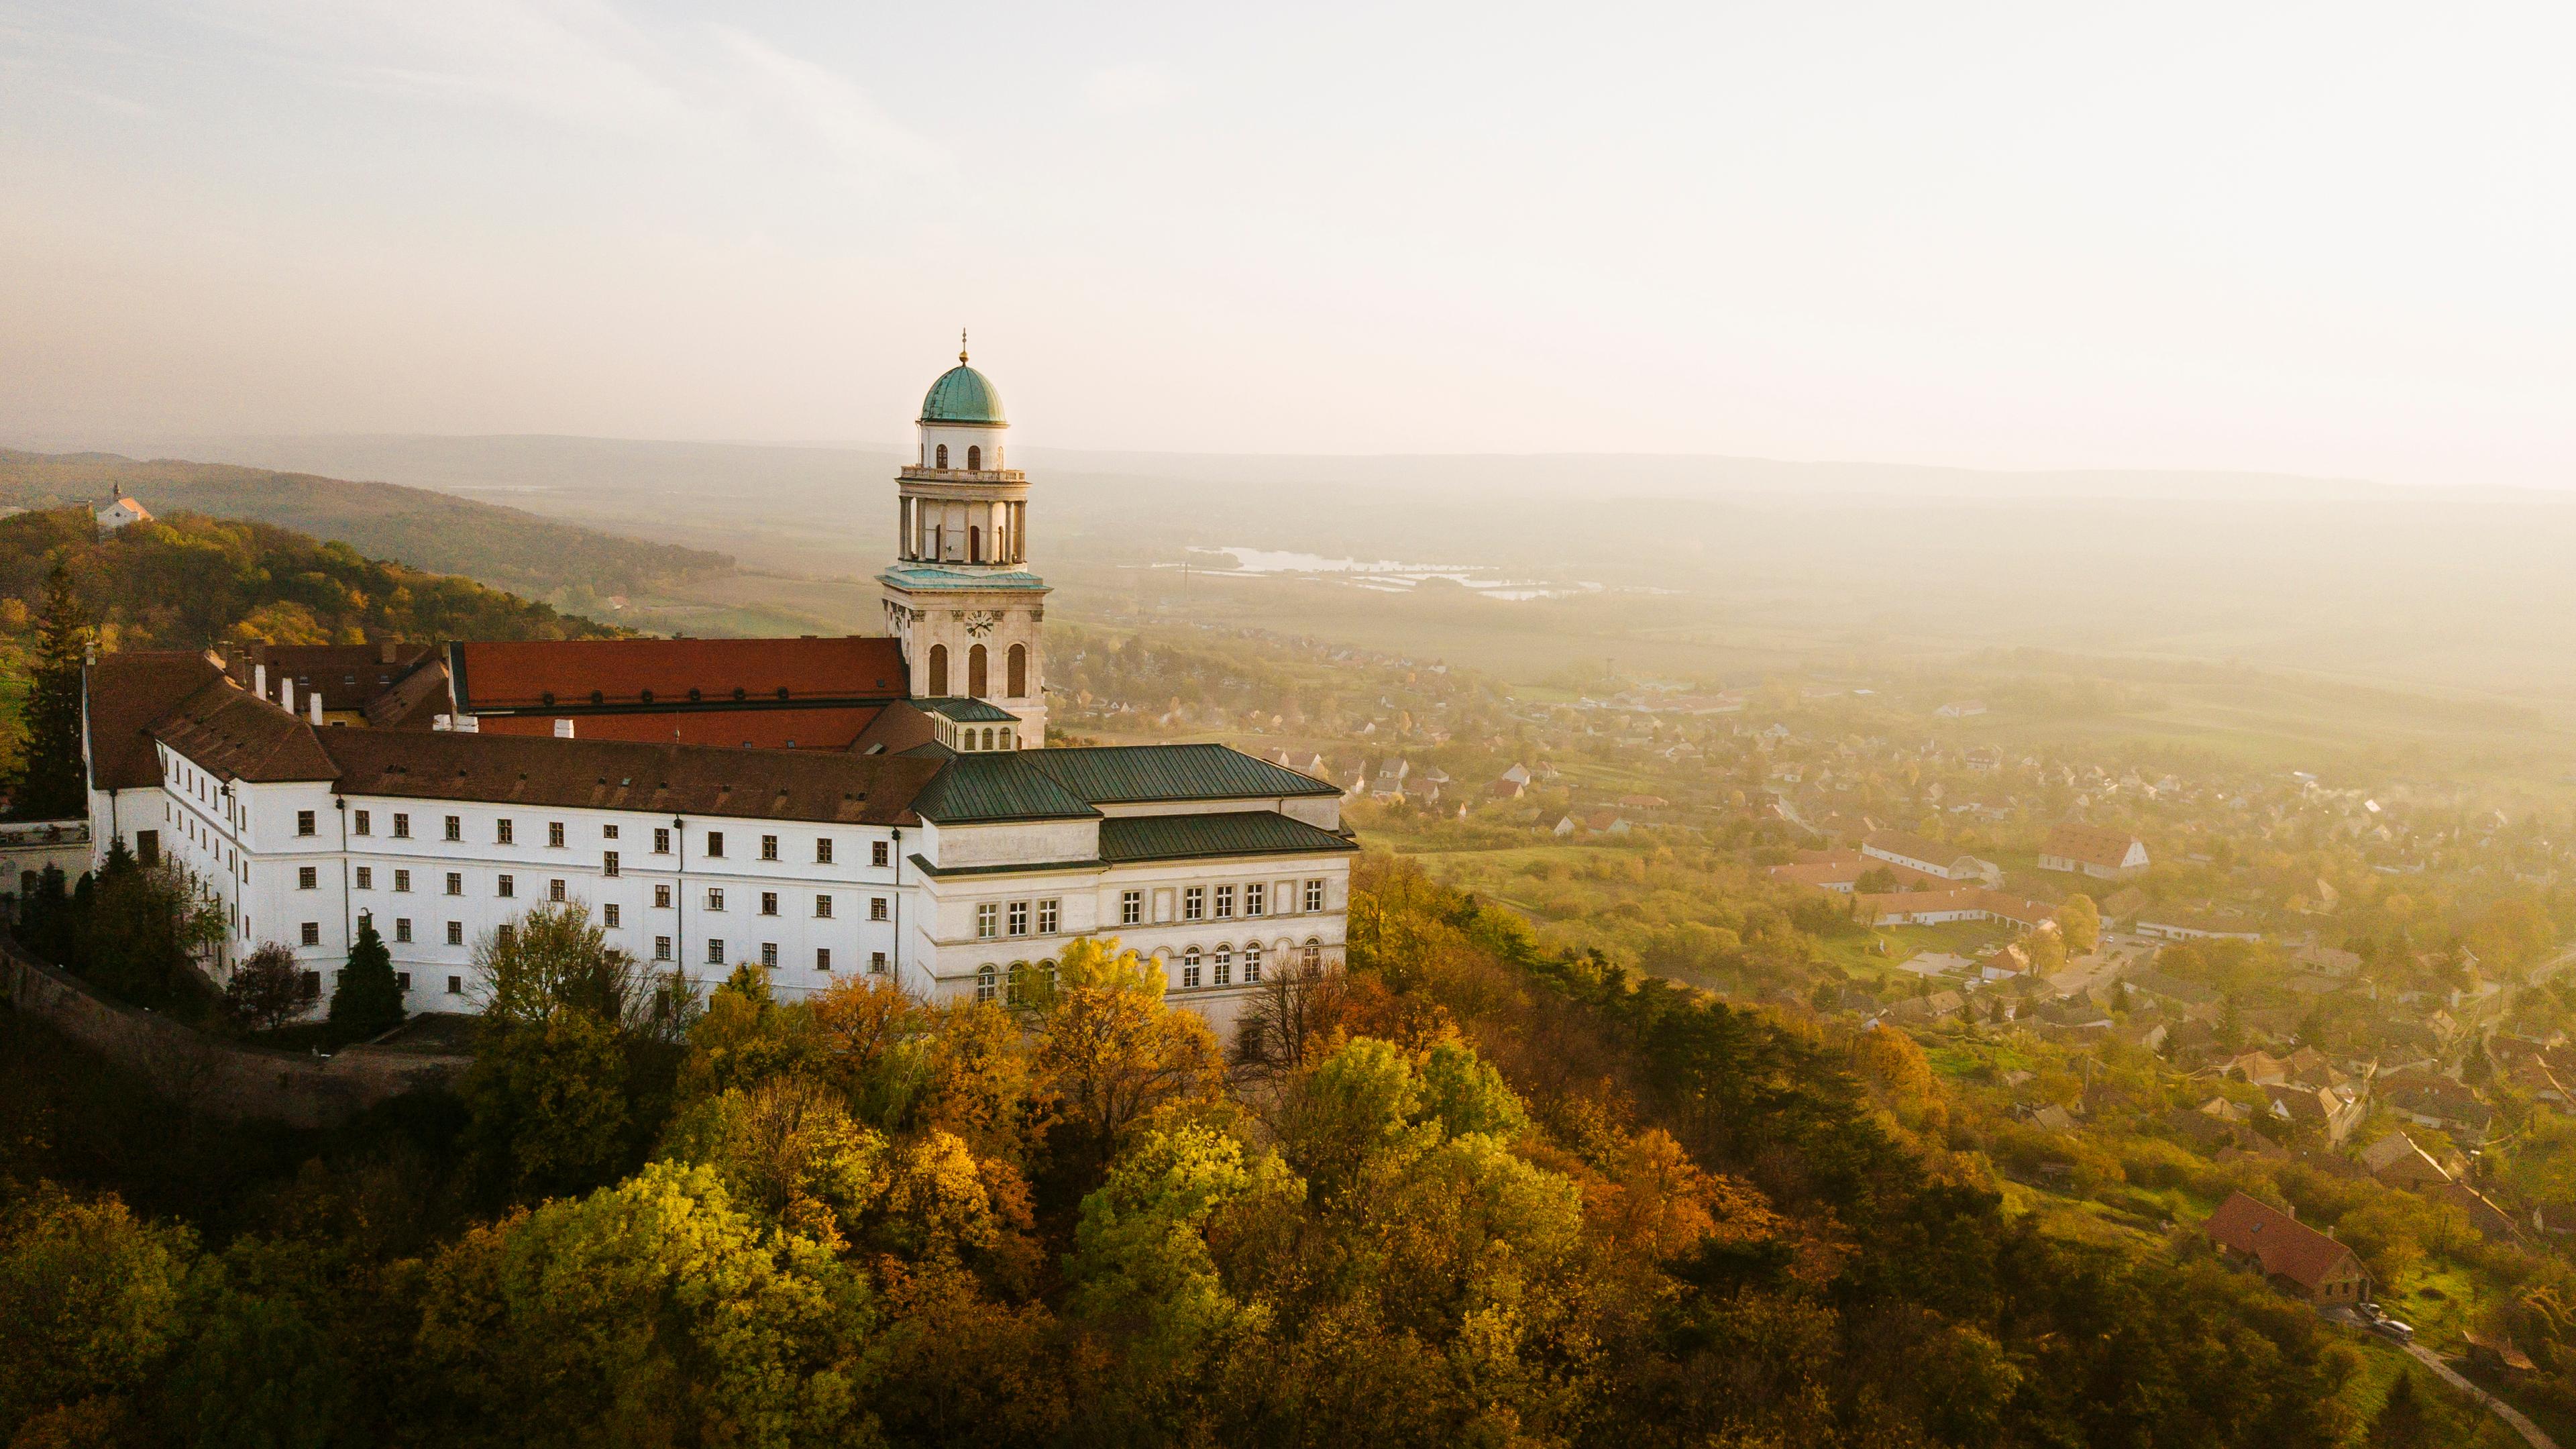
x,y
982,789
928,576
1239,832
962,395
1066,784
966,710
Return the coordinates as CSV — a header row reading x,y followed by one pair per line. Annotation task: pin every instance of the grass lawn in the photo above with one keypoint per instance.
x,y
1877,952
2383,1363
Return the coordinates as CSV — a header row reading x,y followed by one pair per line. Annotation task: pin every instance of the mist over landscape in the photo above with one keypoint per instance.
x,y
1143,726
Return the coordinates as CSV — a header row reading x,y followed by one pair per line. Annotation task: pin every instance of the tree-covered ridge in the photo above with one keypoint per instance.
x,y
506,547
184,581
1469,1192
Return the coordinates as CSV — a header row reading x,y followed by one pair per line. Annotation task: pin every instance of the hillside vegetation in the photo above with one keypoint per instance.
x,y
504,547
1477,1192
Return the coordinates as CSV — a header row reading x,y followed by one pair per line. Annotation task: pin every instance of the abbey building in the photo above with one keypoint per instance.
x,y
817,807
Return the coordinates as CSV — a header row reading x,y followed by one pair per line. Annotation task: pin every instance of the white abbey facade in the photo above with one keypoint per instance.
x,y
945,865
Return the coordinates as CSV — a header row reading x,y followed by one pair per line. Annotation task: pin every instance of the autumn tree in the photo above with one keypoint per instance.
x,y
547,1104
1111,1053
2080,920
266,989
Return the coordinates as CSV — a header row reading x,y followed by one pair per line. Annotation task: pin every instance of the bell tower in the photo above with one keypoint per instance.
x,y
959,594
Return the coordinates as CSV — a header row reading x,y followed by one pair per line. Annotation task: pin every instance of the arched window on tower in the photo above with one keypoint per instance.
x,y
974,459
938,671
943,456
1017,671
976,682
974,543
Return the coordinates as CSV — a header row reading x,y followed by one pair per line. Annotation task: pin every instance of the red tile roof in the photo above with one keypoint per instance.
x,y
828,727
2090,844
564,675
2286,1247
128,694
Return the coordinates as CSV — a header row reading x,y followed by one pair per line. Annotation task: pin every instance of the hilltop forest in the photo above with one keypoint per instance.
x,y
1473,1191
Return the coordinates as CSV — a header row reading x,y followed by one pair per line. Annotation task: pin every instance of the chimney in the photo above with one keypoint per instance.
x,y
563,729
313,703
286,693
385,651
259,680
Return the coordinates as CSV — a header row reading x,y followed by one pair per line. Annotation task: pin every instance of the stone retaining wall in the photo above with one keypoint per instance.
x,y
208,1074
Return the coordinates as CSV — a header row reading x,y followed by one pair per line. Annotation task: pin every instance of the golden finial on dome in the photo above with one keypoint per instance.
x,y
961,344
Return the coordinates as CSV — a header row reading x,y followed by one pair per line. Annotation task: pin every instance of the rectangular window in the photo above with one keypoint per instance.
x,y
823,851
402,981
1314,895
769,847
456,986
1194,903
147,844
876,908
988,921
661,898
402,930
309,985
364,824
1019,918
402,882
1131,908
402,826
876,963
366,878
507,887
1222,964
661,840
715,900
769,903
554,834
878,853
456,933
661,948
505,933
822,908
306,877
312,933
455,883
822,958
608,862
715,845
715,953
608,832
456,827
1255,902
555,891
769,954
304,822
1224,902
504,833
1049,914
608,915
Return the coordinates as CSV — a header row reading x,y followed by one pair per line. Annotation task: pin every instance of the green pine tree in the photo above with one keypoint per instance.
x,y
369,1000
50,784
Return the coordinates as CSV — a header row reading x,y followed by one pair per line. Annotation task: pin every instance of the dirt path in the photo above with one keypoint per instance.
x,y
2538,1438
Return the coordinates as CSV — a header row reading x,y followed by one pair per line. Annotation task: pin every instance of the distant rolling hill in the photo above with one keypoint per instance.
x,y
505,547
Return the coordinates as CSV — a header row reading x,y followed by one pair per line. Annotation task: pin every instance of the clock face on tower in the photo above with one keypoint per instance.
x,y
980,622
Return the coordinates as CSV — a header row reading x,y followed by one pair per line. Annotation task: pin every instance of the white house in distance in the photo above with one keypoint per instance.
x,y
121,511
2094,851
930,840
1931,857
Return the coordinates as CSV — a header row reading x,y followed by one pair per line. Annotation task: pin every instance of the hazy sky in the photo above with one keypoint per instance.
x,y
2332,238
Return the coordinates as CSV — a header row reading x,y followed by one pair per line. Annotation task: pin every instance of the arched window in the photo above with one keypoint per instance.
x,y
1017,671
974,543
975,459
943,456
1314,954
984,979
1224,964
1013,993
1190,969
988,737
1251,961
938,671
977,670
1009,740
1047,970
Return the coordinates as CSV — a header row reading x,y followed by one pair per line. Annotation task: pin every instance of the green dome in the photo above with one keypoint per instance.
x,y
962,395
